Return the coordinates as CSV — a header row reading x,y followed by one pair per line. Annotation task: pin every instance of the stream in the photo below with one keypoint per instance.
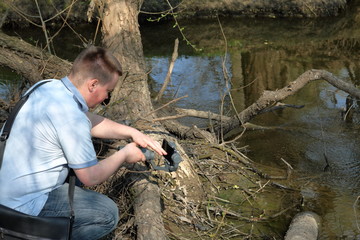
x,y
265,54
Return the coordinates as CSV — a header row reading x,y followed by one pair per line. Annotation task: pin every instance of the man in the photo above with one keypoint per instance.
x,y
53,132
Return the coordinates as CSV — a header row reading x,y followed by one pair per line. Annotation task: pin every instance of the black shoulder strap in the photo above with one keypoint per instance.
x,y
71,190
9,122
6,132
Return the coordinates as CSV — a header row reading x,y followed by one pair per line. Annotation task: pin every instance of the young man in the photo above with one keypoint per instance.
x,y
52,133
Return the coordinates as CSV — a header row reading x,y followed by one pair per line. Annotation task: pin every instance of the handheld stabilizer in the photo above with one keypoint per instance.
x,y
171,160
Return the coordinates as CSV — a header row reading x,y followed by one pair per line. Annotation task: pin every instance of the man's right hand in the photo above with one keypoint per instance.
x,y
133,153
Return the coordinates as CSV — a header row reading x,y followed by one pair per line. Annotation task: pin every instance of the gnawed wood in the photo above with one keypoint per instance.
x,y
147,210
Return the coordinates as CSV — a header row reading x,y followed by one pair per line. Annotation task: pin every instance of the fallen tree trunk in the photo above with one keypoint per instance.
x,y
147,210
305,225
121,35
269,98
29,61
185,132
268,101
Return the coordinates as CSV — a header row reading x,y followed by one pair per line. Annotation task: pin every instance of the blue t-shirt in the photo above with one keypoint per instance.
x,y
50,133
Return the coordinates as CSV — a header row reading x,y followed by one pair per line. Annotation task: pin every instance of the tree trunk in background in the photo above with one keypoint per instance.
x,y
121,35
131,100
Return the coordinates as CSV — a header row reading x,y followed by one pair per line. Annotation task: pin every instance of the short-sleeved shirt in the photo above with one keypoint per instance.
x,y
50,133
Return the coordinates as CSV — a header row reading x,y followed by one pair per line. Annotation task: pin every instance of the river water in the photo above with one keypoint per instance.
x,y
266,54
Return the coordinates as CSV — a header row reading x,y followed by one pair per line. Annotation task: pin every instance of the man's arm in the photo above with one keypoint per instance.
x,y
105,168
106,128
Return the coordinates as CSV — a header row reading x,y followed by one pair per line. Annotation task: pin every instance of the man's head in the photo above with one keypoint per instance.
x,y
95,73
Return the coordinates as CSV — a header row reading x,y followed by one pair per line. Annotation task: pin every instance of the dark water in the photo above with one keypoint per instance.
x,y
266,54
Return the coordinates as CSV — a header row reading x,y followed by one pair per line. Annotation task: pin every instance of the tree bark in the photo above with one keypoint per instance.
x,y
269,98
29,61
147,210
121,35
131,100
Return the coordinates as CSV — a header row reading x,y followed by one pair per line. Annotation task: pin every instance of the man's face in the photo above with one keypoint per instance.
x,y
99,92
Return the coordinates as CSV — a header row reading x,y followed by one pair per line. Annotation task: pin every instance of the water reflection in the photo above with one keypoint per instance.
x,y
204,93
8,80
266,54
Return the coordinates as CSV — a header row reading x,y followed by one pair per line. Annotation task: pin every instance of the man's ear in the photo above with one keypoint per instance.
x,y
92,84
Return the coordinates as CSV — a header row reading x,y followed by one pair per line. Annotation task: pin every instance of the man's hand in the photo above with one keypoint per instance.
x,y
105,128
105,168
147,142
133,153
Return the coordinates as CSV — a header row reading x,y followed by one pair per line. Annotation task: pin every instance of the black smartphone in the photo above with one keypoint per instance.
x,y
169,149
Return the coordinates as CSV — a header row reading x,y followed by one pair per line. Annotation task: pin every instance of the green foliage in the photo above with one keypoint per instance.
x,y
235,43
3,7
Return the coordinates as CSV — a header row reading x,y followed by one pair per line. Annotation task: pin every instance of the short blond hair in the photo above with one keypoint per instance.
x,y
95,62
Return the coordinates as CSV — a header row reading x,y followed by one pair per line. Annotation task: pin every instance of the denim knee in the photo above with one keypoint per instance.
x,y
97,216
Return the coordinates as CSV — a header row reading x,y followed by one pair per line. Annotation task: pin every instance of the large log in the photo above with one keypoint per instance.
x,y
304,226
269,98
121,35
31,62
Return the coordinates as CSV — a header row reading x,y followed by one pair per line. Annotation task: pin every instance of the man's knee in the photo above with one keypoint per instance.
x,y
110,208
96,217
113,210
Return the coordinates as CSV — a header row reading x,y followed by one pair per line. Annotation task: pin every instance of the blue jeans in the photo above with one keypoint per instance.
x,y
96,215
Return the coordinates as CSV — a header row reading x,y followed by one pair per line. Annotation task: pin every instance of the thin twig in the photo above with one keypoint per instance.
x,y
165,105
169,118
355,212
64,20
226,77
43,27
171,67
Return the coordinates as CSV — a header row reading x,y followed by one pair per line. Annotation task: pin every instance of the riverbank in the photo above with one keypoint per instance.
x,y
184,9
263,8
